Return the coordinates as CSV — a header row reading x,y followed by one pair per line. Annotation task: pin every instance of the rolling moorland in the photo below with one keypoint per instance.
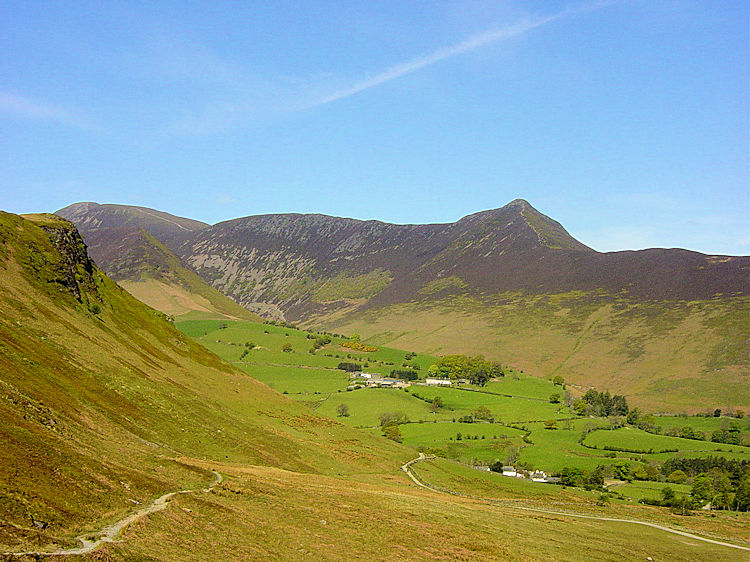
x,y
666,327
106,406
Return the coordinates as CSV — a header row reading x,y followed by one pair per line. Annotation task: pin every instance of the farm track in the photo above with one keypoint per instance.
x,y
407,468
110,532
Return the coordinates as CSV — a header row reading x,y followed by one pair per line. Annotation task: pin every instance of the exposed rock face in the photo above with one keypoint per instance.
x,y
75,270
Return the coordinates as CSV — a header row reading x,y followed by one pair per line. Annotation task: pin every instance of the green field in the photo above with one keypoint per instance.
x,y
640,441
517,399
479,443
650,490
701,423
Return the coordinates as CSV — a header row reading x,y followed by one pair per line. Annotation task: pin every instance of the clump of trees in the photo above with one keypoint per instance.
x,y
601,404
389,422
350,367
248,346
405,374
319,342
475,369
342,410
359,346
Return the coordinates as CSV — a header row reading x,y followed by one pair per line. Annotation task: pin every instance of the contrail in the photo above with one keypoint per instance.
x,y
473,42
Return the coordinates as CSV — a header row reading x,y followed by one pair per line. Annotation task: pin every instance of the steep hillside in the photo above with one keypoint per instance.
x,y
100,398
665,326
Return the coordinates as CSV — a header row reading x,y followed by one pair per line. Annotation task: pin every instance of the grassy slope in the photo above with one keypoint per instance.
x,y
249,518
666,356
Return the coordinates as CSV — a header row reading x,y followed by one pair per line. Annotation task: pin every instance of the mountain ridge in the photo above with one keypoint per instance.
x,y
611,320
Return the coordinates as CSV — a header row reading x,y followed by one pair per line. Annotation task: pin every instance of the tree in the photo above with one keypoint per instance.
x,y
392,418
622,470
554,398
677,477
342,410
393,432
571,477
717,413
667,494
286,348
742,495
558,380
436,404
580,407
596,478
482,413
550,424
634,416
702,489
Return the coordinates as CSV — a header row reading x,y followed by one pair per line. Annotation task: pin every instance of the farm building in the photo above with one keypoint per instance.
x,y
538,476
437,382
509,471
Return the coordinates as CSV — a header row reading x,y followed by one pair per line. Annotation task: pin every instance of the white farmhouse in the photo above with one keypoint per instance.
x,y
538,476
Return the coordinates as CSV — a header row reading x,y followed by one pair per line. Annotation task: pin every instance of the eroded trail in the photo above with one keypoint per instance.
x,y
407,469
110,532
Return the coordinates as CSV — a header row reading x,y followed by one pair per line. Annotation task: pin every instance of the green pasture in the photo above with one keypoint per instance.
x,y
366,405
639,440
554,449
519,384
517,399
478,443
701,423
503,408
298,380
228,338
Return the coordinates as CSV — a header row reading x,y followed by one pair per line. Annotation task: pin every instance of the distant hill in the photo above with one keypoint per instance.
x,y
126,242
665,326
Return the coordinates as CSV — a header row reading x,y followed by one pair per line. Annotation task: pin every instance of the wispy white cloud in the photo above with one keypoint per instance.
x,y
240,97
474,42
24,108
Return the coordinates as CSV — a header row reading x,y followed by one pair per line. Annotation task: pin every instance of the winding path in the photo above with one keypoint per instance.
x,y
110,532
407,469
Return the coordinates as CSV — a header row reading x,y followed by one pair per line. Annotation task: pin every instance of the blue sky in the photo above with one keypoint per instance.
x,y
627,121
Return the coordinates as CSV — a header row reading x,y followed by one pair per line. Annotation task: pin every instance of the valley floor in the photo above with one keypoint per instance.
x,y
269,513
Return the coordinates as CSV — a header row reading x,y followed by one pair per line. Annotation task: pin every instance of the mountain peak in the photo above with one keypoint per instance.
x,y
521,203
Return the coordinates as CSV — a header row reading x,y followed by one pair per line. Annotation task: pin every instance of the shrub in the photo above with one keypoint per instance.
x,y
359,346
